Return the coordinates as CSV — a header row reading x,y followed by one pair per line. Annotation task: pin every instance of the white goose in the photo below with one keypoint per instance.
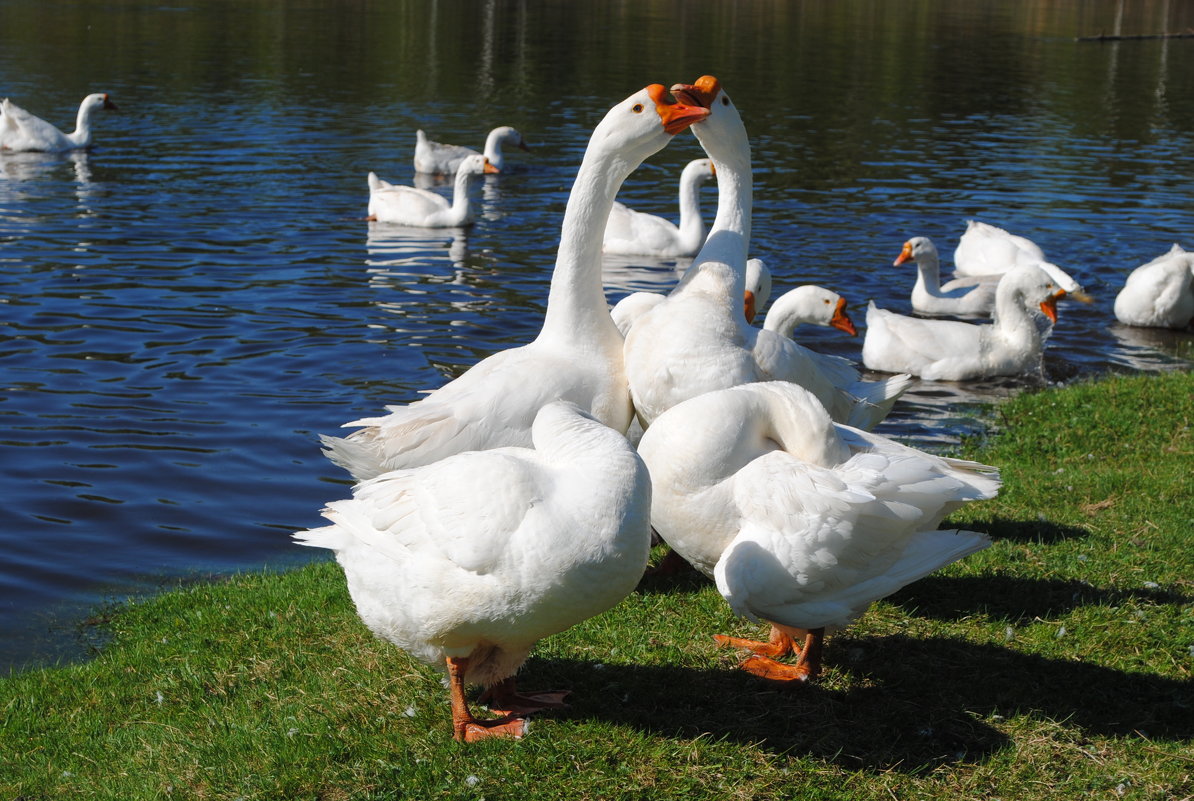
x,y
630,233
988,251
440,159
802,522
422,208
1159,294
697,339
968,295
577,355
466,563
21,131
950,350
636,304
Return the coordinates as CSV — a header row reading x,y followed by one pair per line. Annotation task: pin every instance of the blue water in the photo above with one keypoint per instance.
x,y
190,304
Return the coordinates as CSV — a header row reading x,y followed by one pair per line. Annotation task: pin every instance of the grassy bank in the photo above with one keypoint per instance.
x,y
1056,664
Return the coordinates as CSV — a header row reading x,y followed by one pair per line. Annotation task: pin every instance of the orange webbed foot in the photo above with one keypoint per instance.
x,y
505,727
772,670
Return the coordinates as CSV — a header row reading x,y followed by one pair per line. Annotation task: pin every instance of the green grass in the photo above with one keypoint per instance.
x,y
1055,664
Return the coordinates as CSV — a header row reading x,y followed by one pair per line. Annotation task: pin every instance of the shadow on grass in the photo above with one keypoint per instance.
x,y
1013,599
912,704
1041,532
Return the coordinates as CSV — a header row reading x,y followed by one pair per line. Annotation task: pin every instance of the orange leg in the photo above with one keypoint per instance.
x,y
465,727
505,699
764,665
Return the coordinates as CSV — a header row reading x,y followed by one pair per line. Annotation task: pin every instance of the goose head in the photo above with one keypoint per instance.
x,y
809,304
916,249
758,287
508,135
724,124
100,100
476,165
1065,281
642,124
1031,285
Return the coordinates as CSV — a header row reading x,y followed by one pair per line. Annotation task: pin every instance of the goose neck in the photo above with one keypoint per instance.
x,y
577,298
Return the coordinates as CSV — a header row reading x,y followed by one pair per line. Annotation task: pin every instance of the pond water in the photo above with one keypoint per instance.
x,y
191,303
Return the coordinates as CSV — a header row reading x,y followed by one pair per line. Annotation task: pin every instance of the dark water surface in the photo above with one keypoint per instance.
x,y
186,307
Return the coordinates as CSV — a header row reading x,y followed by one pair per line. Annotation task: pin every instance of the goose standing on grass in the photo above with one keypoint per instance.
x,y
987,251
577,355
697,339
422,208
950,350
440,159
633,233
466,563
1159,294
21,131
802,522
969,295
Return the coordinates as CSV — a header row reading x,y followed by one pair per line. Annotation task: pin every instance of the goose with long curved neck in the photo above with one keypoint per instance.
x,y
422,208
437,158
577,355
697,339
629,232
810,304
22,131
950,350
968,295
802,522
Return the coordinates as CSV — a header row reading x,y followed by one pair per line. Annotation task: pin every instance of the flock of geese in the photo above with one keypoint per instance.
x,y
519,499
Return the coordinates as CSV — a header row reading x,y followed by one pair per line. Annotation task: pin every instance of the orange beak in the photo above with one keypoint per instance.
x,y
490,169
702,93
841,320
676,116
1049,305
905,254
750,306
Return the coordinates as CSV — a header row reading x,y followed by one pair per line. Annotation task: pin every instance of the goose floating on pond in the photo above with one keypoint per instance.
x,y
422,208
22,131
441,159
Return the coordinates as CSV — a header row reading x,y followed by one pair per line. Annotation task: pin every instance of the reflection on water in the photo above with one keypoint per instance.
x,y
188,306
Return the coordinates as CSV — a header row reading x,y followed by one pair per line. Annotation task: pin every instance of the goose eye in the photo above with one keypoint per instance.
x,y
638,108
725,101
1048,286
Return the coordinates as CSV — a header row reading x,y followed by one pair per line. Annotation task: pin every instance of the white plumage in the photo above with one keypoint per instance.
x,y
577,355
22,131
422,208
471,560
629,232
436,158
802,522
697,339
950,350
1159,294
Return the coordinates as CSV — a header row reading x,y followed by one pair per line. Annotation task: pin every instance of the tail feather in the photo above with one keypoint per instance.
x,y
875,399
